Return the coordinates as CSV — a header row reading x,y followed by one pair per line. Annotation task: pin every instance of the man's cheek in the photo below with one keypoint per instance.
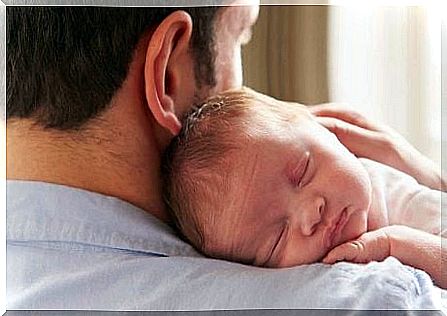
x,y
237,68
229,73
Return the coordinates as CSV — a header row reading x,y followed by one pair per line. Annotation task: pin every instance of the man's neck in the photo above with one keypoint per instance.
x,y
117,163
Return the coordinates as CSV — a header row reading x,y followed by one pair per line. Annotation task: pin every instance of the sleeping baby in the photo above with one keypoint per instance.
x,y
259,181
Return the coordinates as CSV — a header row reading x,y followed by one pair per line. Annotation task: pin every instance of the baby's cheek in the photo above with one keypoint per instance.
x,y
302,252
360,189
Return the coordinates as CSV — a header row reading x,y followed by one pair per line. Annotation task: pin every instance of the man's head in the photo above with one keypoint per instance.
x,y
259,181
65,64
94,93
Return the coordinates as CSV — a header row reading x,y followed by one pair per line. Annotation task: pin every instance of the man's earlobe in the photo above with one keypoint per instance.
x,y
169,40
169,120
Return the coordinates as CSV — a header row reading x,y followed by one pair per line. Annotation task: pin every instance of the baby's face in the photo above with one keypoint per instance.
x,y
297,193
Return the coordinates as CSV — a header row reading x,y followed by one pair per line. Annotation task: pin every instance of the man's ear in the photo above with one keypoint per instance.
x,y
169,42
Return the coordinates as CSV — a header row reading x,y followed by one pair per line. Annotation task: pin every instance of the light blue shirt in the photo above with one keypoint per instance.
x,y
73,249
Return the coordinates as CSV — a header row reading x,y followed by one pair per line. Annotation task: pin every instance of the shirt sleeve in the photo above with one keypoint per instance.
x,y
407,202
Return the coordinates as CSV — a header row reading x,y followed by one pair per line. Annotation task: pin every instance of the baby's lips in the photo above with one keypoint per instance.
x,y
327,239
342,222
334,231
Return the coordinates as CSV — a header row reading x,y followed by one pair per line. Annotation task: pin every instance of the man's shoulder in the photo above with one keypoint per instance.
x,y
64,217
60,279
70,249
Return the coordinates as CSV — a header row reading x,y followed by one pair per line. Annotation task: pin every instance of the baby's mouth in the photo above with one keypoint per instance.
x,y
333,233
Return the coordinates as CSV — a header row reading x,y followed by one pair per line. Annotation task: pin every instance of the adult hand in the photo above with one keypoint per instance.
x,y
378,142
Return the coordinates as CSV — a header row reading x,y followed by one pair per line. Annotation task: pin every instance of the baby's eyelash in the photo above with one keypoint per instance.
x,y
279,241
300,171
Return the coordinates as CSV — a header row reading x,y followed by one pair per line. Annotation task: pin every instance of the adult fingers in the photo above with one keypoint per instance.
x,y
361,142
344,113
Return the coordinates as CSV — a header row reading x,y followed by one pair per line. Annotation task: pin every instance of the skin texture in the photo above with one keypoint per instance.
x,y
314,182
119,154
292,182
299,196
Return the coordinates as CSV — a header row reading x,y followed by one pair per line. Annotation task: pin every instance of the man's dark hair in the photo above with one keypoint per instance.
x,y
64,64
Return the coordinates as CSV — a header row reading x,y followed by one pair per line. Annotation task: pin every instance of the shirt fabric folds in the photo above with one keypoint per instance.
x,y
72,249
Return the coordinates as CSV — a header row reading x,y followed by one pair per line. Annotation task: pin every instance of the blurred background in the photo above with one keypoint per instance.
x,y
384,62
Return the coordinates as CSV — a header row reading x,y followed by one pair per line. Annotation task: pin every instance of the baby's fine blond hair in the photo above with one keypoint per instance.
x,y
196,170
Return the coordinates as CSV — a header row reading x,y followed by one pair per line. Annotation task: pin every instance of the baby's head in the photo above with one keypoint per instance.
x,y
256,180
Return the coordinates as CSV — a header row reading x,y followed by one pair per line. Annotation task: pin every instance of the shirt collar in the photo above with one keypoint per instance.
x,y
46,212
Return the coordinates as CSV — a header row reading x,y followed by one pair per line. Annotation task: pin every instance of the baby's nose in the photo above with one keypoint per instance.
x,y
312,217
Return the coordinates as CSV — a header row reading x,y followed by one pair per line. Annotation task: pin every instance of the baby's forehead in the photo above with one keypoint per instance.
x,y
265,123
269,109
